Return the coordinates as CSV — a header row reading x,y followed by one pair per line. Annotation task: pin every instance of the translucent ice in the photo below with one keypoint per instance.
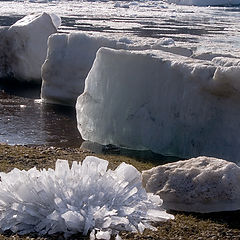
x,y
164,102
69,59
24,46
86,197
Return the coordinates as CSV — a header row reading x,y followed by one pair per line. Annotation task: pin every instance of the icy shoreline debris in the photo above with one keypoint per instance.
x,y
86,197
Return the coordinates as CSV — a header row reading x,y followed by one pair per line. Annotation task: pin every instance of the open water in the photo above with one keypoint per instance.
x,y
26,120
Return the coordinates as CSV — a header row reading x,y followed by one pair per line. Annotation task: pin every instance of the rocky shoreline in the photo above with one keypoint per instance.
x,y
185,226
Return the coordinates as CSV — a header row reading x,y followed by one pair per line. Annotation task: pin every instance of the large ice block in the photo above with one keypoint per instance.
x,y
24,46
69,59
167,103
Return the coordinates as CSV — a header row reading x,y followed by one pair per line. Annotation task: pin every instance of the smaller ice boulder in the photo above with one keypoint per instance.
x,y
69,59
202,184
26,45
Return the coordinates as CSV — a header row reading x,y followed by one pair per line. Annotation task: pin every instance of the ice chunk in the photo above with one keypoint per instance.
x,y
173,49
168,45
167,103
118,237
86,197
165,41
55,20
103,235
69,59
226,62
202,184
211,55
25,46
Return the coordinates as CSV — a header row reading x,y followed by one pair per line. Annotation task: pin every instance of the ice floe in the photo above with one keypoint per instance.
x,y
69,59
202,184
24,46
86,197
164,102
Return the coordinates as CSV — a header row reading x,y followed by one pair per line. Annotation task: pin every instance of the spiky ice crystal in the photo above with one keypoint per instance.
x,y
86,197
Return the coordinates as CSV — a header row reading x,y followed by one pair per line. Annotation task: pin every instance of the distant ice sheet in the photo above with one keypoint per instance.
x,y
86,197
206,2
205,29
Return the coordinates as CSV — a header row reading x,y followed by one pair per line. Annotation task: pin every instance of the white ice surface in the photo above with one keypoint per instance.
x,y
206,2
164,102
24,46
203,29
86,197
200,184
69,59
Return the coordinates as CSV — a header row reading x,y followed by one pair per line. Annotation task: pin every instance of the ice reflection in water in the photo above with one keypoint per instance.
x,y
27,121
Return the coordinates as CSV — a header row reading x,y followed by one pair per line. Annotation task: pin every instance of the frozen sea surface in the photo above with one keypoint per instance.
x,y
143,22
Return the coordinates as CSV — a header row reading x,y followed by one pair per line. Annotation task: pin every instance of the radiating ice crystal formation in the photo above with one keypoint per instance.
x,y
86,197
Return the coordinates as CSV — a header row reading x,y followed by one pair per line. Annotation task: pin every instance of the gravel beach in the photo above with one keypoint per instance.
x,y
223,225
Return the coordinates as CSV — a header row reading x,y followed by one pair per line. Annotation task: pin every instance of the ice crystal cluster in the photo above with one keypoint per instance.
x,y
86,197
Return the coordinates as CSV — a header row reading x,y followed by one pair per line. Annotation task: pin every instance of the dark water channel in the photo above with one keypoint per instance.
x,y
25,120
